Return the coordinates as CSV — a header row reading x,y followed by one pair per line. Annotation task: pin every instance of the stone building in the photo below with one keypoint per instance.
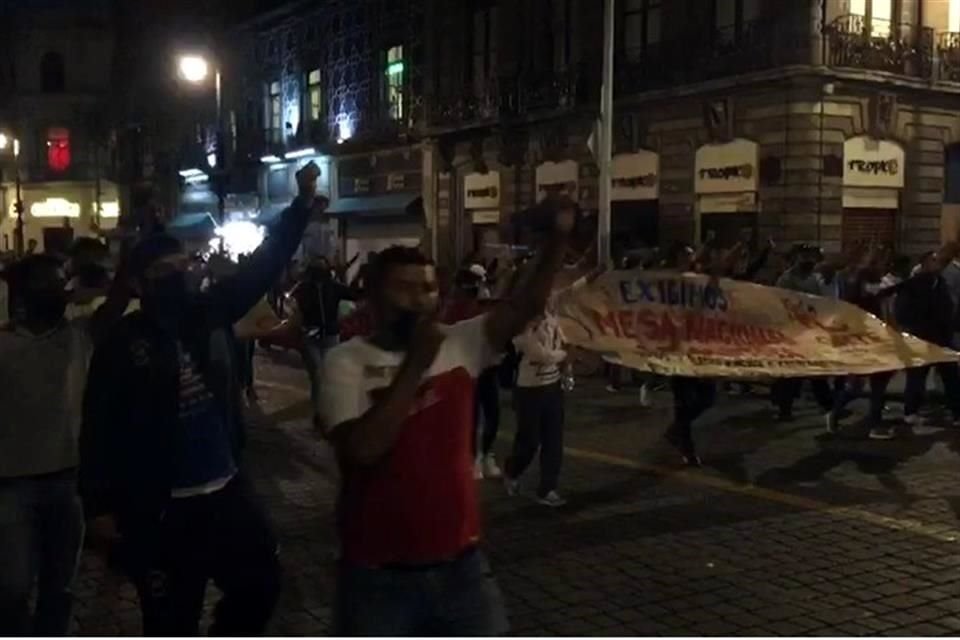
x,y
337,82
829,121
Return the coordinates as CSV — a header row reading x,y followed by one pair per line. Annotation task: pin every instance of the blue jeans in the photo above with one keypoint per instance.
x,y
456,598
41,532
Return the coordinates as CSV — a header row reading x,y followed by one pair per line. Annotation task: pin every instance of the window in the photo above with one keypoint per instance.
x,y
732,18
314,96
394,82
274,113
641,27
878,15
484,54
58,149
52,76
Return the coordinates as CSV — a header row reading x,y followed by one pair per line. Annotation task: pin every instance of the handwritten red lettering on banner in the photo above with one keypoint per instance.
x,y
689,325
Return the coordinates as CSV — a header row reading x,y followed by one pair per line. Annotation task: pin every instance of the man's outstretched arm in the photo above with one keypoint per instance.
x,y
236,295
529,298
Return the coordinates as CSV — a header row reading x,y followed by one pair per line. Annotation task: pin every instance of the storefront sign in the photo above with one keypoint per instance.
x,y
361,185
868,162
396,182
558,178
55,208
107,209
674,324
635,176
727,168
485,216
481,190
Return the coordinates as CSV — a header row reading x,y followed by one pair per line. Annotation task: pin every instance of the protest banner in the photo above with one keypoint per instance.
x,y
259,322
690,325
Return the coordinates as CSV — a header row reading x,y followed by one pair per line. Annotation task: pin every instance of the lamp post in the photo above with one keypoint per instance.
x,y
195,69
5,141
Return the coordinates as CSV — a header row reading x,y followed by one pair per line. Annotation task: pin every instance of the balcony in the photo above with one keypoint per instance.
x,y
880,45
948,51
518,96
695,57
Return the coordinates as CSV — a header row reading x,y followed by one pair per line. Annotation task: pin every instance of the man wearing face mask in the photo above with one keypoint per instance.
x,y
399,409
162,438
318,297
43,365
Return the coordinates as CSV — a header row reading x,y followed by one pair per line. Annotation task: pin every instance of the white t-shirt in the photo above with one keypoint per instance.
x,y
354,370
541,351
42,380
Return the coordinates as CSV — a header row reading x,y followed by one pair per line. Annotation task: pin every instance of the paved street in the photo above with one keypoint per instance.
x,y
784,532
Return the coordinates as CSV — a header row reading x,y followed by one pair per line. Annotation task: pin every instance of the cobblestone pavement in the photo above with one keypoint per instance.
x,y
783,532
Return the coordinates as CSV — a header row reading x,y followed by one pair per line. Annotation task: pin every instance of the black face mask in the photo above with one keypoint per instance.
x,y
46,309
165,298
404,325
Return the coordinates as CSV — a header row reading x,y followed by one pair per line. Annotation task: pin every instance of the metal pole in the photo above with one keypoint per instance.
x,y
605,146
18,234
221,156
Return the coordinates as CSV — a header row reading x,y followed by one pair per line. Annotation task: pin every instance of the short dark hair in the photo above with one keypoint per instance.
x,y
395,256
18,273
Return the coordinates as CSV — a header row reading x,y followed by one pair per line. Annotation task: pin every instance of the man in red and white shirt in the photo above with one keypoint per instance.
x,y
399,409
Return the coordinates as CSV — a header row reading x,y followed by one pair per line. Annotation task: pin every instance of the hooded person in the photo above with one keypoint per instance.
x,y
163,436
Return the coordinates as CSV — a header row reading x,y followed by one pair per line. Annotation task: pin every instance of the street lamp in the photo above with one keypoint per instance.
x,y
195,69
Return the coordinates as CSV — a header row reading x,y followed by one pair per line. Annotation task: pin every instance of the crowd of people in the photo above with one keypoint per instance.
x,y
124,397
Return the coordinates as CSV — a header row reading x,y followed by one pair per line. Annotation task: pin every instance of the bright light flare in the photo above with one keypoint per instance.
x,y
194,69
239,237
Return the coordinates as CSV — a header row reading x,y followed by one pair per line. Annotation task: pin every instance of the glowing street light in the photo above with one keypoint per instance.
x,y
194,69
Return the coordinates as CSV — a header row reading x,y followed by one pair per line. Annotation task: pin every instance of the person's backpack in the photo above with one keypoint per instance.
x,y
508,367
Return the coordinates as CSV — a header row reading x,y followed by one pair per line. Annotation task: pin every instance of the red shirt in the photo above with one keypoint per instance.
x,y
417,505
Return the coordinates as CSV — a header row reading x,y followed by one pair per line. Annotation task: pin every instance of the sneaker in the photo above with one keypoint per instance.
x,y
512,486
684,446
612,389
881,433
914,420
478,469
552,499
645,396
490,468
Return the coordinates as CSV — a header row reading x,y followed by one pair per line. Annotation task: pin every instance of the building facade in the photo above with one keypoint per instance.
x,y
56,115
829,121
339,83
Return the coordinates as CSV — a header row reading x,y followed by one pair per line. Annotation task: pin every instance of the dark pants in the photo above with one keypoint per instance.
x,y
222,536
786,390
488,406
878,396
539,426
691,398
917,385
245,349
457,598
41,532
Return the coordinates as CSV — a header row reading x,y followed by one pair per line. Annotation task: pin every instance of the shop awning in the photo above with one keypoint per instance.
x,y
391,204
192,225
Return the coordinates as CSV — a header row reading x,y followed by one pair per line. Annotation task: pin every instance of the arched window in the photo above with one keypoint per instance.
x,y
52,76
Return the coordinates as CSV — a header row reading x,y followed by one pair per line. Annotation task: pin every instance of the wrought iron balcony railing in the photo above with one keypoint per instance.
x,y
948,52
513,96
693,57
880,45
